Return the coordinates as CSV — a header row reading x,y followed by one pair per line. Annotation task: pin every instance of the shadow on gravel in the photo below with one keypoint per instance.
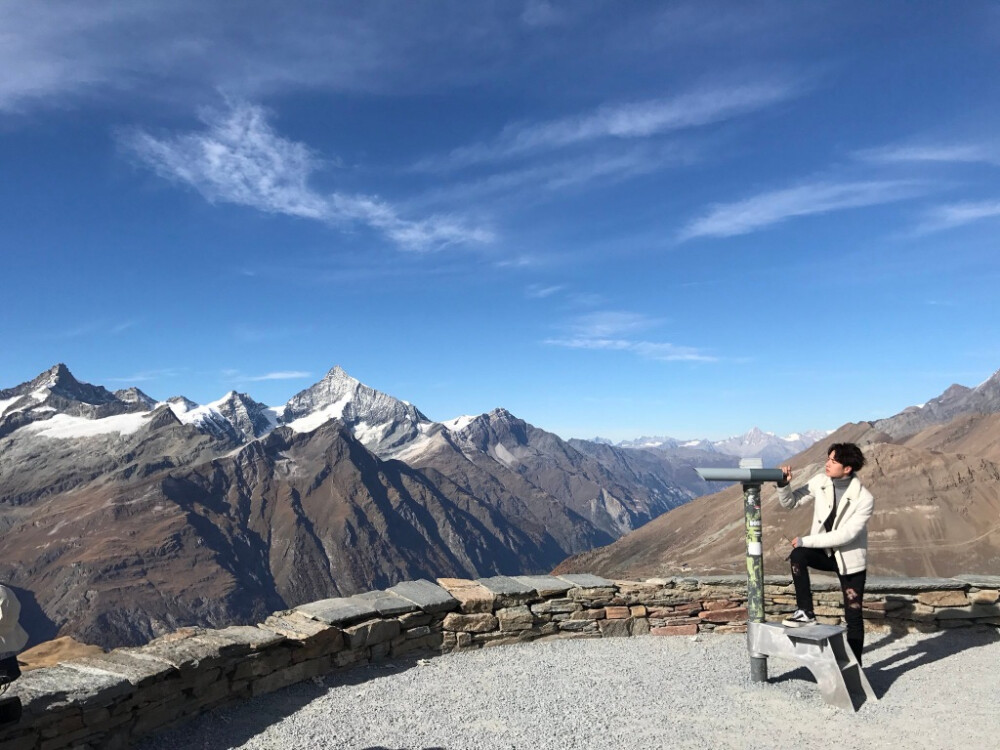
x,y
882,674
237,724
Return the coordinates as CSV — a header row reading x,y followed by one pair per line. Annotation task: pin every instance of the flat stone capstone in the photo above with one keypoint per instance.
x,y
428,596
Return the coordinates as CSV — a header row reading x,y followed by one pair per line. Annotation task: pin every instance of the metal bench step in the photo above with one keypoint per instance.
x,y
823,650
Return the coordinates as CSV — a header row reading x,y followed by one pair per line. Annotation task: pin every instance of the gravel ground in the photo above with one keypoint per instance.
x,y
936,691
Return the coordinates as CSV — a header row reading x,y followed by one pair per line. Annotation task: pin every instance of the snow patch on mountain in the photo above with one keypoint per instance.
x,y
63,426
422,446
314,420
369,433
196,415
458,423
179,406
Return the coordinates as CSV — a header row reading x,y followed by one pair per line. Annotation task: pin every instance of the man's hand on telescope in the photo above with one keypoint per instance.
x,y
787,471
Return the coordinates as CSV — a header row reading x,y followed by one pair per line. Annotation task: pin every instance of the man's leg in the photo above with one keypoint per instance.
x,y
803,558
853,587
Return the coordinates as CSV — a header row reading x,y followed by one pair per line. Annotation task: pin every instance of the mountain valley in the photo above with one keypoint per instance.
x,y
934,471
123,517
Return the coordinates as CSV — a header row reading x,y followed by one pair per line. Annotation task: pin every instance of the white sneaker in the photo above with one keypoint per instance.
x,y
799,620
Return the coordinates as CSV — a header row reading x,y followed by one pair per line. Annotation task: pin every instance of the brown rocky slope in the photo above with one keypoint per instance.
x,y
937,513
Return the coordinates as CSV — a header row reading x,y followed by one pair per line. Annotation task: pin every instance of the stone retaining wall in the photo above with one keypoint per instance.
x,y
110,700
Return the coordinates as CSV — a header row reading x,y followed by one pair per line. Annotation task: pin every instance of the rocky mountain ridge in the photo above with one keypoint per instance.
x,y
386,425
955,401
123,517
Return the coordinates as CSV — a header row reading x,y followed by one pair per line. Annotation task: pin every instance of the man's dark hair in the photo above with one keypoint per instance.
x,y
848,454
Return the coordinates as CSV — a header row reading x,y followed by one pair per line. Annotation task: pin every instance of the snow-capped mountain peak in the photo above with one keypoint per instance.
x,y
335,389
251,418
56,391
180,405
133,395
384,424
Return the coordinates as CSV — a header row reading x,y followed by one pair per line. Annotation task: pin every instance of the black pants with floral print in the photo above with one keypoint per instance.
x,y
852,586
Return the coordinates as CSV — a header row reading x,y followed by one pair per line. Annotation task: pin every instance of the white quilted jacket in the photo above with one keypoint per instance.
x,y
848,539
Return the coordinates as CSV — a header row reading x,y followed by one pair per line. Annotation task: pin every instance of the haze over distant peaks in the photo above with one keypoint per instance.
x,y
754,443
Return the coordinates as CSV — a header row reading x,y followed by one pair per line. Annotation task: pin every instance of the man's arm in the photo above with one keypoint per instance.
x,y
788,497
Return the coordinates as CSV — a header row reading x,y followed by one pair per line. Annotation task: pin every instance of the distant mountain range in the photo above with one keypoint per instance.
x,y
122,516
934,470
755,443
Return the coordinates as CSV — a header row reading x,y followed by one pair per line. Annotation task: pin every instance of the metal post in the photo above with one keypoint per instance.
x,y
755,573
751,474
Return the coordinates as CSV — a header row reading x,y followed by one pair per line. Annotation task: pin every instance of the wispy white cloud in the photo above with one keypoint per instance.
x,y
610,330
539,291
587,299
422,234
944,153
518,261
606,165
258,334
621,121
760,211
145,376
96,328
957,215
48,51
540,13
605,323
57,53
123,326
238,158
664,352
281,375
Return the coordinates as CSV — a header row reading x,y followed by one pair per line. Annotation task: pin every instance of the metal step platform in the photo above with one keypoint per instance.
x,y
823,650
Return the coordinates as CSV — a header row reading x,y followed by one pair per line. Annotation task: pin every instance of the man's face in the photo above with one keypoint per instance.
x,y
835,469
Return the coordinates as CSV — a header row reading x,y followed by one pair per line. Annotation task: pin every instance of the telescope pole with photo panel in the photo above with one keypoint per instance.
x,y
751,475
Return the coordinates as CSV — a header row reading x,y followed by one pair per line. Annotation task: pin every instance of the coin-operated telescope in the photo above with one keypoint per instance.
x,y
752,474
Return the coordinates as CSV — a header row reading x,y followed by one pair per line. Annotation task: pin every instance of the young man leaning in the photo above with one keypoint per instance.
x,y
838,538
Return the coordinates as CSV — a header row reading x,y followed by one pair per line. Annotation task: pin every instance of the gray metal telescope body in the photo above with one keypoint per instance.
x,y
741,475
752,477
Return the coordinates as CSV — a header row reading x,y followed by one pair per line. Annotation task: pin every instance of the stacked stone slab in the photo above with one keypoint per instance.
x,y
110,700
902,604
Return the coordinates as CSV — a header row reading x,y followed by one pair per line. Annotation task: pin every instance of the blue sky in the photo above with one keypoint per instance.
x,y
612,219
